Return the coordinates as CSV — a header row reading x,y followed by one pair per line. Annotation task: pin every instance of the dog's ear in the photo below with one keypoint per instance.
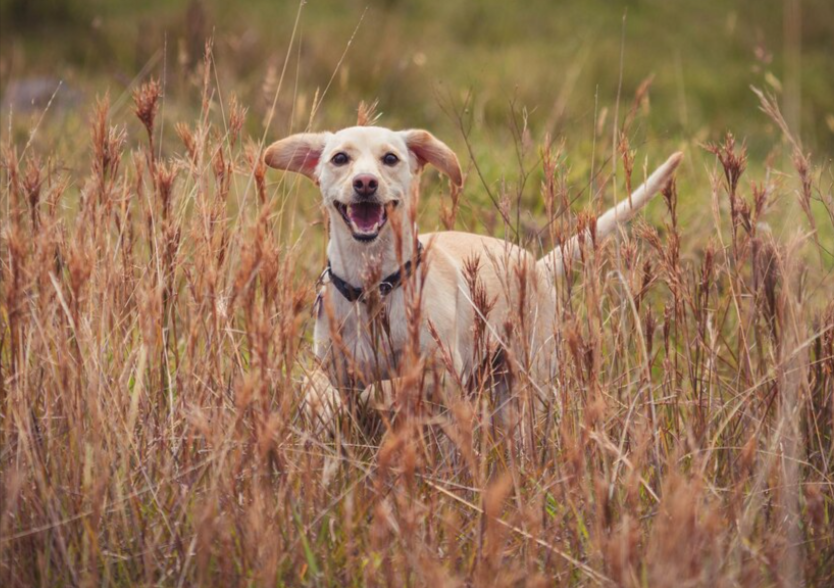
x,y
298,153
429,149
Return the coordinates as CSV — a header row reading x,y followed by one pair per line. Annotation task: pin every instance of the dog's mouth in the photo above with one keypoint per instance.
x,y
365,219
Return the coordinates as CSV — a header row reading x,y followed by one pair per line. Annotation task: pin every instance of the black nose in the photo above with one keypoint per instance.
x,y
365,184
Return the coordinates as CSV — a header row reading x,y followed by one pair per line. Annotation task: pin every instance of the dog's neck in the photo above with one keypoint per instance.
x,y
354,261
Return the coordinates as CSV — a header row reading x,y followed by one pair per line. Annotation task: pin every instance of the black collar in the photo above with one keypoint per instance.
x,y
386,286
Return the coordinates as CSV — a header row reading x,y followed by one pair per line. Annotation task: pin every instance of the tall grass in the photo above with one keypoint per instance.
x,y
152,345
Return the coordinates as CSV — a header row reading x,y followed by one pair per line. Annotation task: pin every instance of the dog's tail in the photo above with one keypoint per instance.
x,y
554,262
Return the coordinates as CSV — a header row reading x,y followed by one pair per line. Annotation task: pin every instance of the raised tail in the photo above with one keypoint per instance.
x,y
554,261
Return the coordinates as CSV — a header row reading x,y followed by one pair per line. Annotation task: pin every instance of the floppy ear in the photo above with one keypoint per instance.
x,y
429,149
298,153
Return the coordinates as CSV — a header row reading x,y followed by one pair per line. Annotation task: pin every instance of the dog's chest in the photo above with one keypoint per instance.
x,y
362,341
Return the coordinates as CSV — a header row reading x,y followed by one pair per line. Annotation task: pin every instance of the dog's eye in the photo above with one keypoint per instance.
x,y
340,158
390,159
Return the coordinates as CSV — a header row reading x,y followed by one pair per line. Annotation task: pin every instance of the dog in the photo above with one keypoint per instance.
x,y
381,271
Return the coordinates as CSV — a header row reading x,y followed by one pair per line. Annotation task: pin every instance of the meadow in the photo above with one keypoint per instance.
x,y
157,281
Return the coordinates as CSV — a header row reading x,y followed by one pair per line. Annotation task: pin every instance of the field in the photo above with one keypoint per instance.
x,y
156,286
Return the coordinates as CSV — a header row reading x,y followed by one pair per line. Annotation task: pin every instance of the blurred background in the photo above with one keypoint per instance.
x,y
505,74
559,61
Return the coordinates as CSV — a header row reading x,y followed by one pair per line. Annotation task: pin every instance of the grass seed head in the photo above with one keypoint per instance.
x,y
146,104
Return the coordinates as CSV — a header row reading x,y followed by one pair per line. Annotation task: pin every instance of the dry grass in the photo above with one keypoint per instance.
x,y
152,341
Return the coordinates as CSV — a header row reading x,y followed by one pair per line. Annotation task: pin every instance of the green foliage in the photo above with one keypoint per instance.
x,y
28,14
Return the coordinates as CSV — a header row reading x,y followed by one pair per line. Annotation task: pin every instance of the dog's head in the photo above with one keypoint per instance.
x,y
366,174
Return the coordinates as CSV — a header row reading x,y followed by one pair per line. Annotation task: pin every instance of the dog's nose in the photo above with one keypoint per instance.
x,y
365,184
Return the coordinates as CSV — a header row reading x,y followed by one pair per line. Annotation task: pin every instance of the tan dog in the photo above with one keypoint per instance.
x,y
369,179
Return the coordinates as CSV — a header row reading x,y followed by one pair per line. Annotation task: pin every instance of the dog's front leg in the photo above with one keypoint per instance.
x,y
385,400
322,401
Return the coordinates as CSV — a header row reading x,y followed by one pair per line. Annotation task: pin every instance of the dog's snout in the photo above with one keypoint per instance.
x,y
365,184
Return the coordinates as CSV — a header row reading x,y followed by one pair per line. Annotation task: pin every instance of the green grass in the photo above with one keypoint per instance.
x,y
557,65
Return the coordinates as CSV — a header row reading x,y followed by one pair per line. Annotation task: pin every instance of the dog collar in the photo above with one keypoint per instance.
x,y
385,287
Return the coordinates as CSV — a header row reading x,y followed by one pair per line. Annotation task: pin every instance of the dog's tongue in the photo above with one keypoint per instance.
x,y
365,215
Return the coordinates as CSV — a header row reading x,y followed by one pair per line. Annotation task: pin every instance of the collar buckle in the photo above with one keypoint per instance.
x,y
385,288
